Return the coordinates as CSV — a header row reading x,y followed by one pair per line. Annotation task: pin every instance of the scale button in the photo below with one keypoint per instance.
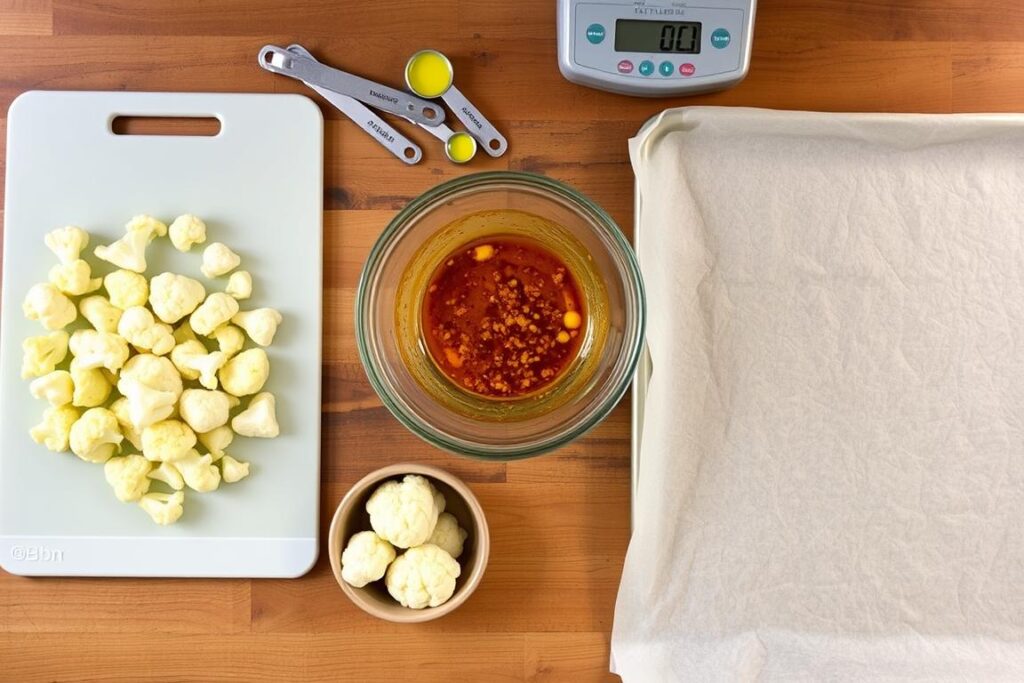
x,y
720,38
687,69
666,68
646,67
625,67
595,33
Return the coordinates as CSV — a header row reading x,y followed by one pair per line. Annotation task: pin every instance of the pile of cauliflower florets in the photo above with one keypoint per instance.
x,y
156,370
407,514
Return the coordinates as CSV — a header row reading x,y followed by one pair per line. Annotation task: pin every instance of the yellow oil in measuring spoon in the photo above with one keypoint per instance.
x,y
429,73
460,147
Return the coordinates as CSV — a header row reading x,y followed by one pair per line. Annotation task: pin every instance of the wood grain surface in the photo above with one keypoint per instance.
x,y
560,523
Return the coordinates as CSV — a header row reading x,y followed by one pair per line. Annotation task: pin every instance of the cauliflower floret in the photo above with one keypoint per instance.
x,y
366,559
93,349
48,305
129,252
126,289
448,535
67,243
203,410
212,313
232,470
404,513
183,354
199,472
168,474
148,225
423,576
184,333
259,419
174,296
127,474
122,412
43,353
260,324
74,278
55,429
163,508
56,387
239,285
246,373
141,330
218,260
91,386
100,313
229,338
217,440
186,231
167,441
95,436
152,387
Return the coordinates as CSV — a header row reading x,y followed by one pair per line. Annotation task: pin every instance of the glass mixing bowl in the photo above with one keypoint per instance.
x,y
397,274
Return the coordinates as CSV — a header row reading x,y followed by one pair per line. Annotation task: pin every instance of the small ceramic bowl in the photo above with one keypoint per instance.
x,y
351,518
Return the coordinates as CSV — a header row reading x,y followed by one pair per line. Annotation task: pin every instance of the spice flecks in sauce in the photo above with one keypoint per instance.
x,y
503,317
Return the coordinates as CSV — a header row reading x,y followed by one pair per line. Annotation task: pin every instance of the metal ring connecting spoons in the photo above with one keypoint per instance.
x,y
429,74
380,130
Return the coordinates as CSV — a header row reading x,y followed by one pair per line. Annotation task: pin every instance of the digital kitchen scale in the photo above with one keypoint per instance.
x,y
655,49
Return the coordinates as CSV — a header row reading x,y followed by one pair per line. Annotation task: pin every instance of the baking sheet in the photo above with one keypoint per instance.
x,y
828,459
258,186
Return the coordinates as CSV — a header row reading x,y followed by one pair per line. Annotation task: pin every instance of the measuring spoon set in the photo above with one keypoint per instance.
x,y
428,75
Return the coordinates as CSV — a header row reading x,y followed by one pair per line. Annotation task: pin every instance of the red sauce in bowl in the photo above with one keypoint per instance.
x,y
503,317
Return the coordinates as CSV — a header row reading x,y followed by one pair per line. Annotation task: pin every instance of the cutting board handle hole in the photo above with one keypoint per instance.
x,y
196,126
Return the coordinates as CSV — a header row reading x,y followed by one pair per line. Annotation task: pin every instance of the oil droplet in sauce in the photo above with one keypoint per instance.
x,y
503,317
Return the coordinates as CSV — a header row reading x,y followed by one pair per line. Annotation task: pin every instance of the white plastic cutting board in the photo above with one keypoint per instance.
x,y
258,185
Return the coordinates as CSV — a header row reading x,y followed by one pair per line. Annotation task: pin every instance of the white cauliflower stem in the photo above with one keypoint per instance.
x,y
168,474
260,324
187,231
448,535
152,387
366,559
49,306
404,513
127,475
129,252
259,419
423,577
218,259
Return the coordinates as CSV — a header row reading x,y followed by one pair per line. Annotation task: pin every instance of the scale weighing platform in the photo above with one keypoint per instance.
x,y
655,49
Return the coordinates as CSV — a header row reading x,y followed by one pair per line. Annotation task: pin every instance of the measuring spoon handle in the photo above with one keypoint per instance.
x,y
492,142
380,130
280,61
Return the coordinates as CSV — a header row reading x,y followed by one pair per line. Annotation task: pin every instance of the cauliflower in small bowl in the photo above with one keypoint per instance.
x,y
409,543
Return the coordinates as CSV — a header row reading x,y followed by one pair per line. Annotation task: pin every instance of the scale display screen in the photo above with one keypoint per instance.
x,y
679,37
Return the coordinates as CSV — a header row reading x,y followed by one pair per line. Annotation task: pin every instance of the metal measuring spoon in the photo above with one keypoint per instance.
x,y
309,71
380,130
439,67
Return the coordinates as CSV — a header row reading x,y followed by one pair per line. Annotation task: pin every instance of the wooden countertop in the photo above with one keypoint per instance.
x,y
560,523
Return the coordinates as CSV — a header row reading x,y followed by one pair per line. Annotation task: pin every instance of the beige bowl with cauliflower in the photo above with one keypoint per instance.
x,y
418,574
